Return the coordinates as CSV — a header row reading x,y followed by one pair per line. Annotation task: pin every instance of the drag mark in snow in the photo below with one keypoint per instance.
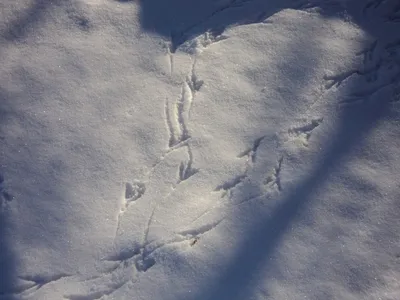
x,y
133,191
196,232
170,54
170,126
177,115
99,294
37,282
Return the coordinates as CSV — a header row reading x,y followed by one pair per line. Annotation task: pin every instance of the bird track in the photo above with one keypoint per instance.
x,y
177,118
380,68
177,115
141,257
251,152
186,169
303,132
275,178
180,36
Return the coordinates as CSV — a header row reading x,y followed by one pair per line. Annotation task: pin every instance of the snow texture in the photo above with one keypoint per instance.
x,y
199,150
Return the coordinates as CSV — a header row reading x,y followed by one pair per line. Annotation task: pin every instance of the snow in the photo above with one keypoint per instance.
x,y
238,149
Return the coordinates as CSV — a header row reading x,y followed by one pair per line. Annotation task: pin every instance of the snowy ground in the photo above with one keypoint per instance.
x,y
194,150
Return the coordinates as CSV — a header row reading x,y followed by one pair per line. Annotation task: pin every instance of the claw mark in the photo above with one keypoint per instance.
x,y
337,80
226,186
275,179
306,128
186,170
389,61
251,152
304,132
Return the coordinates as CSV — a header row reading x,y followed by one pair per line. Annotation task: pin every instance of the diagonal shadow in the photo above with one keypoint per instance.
x,y
261,241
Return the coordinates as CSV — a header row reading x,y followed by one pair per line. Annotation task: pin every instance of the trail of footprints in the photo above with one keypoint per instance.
x,y
380,69
177,115
272,180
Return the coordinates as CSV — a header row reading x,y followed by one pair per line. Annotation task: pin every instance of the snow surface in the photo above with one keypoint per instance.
x,y
219,149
